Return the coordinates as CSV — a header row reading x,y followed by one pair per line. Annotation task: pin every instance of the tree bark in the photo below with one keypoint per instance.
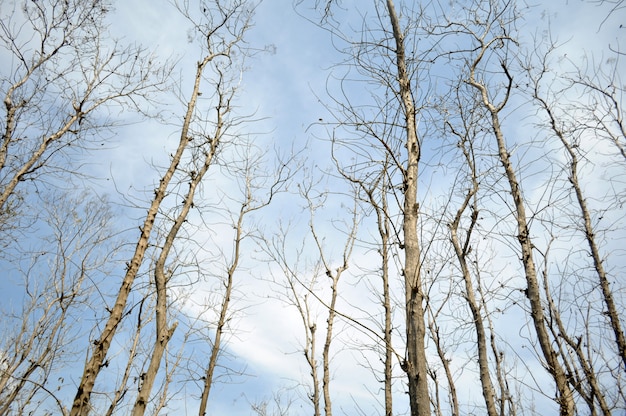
x,y
565,396
219,330
462,250
415,365
590,235
81,405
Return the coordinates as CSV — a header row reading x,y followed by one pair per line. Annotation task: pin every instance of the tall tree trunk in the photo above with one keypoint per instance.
x,y
462,250
309,353
163,332
81,405
331,306
565,396
382,220
590,235
219,331
328,409
123,385
415,365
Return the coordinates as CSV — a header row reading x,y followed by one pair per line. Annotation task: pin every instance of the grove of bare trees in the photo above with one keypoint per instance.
x,y
419,212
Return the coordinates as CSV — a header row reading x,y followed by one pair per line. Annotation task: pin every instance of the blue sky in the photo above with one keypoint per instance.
x,y
282,86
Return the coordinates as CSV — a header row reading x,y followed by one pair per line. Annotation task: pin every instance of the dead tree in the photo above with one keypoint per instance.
x,y
60,84
486,37
221,36
41,337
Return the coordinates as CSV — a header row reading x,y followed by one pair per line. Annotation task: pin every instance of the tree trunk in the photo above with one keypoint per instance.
x,y
565,397
81,405
462,250
415,365
607,293
217,342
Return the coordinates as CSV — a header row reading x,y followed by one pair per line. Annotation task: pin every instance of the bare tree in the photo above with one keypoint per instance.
x,y
206,152
584,381
465,135
570,122
222,34
41,336
300,293
505,400
377,197
60,86
314,289
569,142
374,193
396,76
487,37
416,363
334,275
475,45
500,248
254,181
123,387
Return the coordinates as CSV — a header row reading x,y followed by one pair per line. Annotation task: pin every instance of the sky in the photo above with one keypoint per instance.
x,y
285,87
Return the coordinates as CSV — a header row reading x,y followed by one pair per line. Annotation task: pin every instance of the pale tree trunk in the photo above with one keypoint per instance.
x,y
585,362
607,293
462,250
498,358
588,229
445,362
277,249
219,330
93,366
161,276
379,188
121,391
223,317
334,277
588,380
310,349
169,370
383,229
81,405
382,221
310,352
312,361
565,397
327,342
415,365
270,185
